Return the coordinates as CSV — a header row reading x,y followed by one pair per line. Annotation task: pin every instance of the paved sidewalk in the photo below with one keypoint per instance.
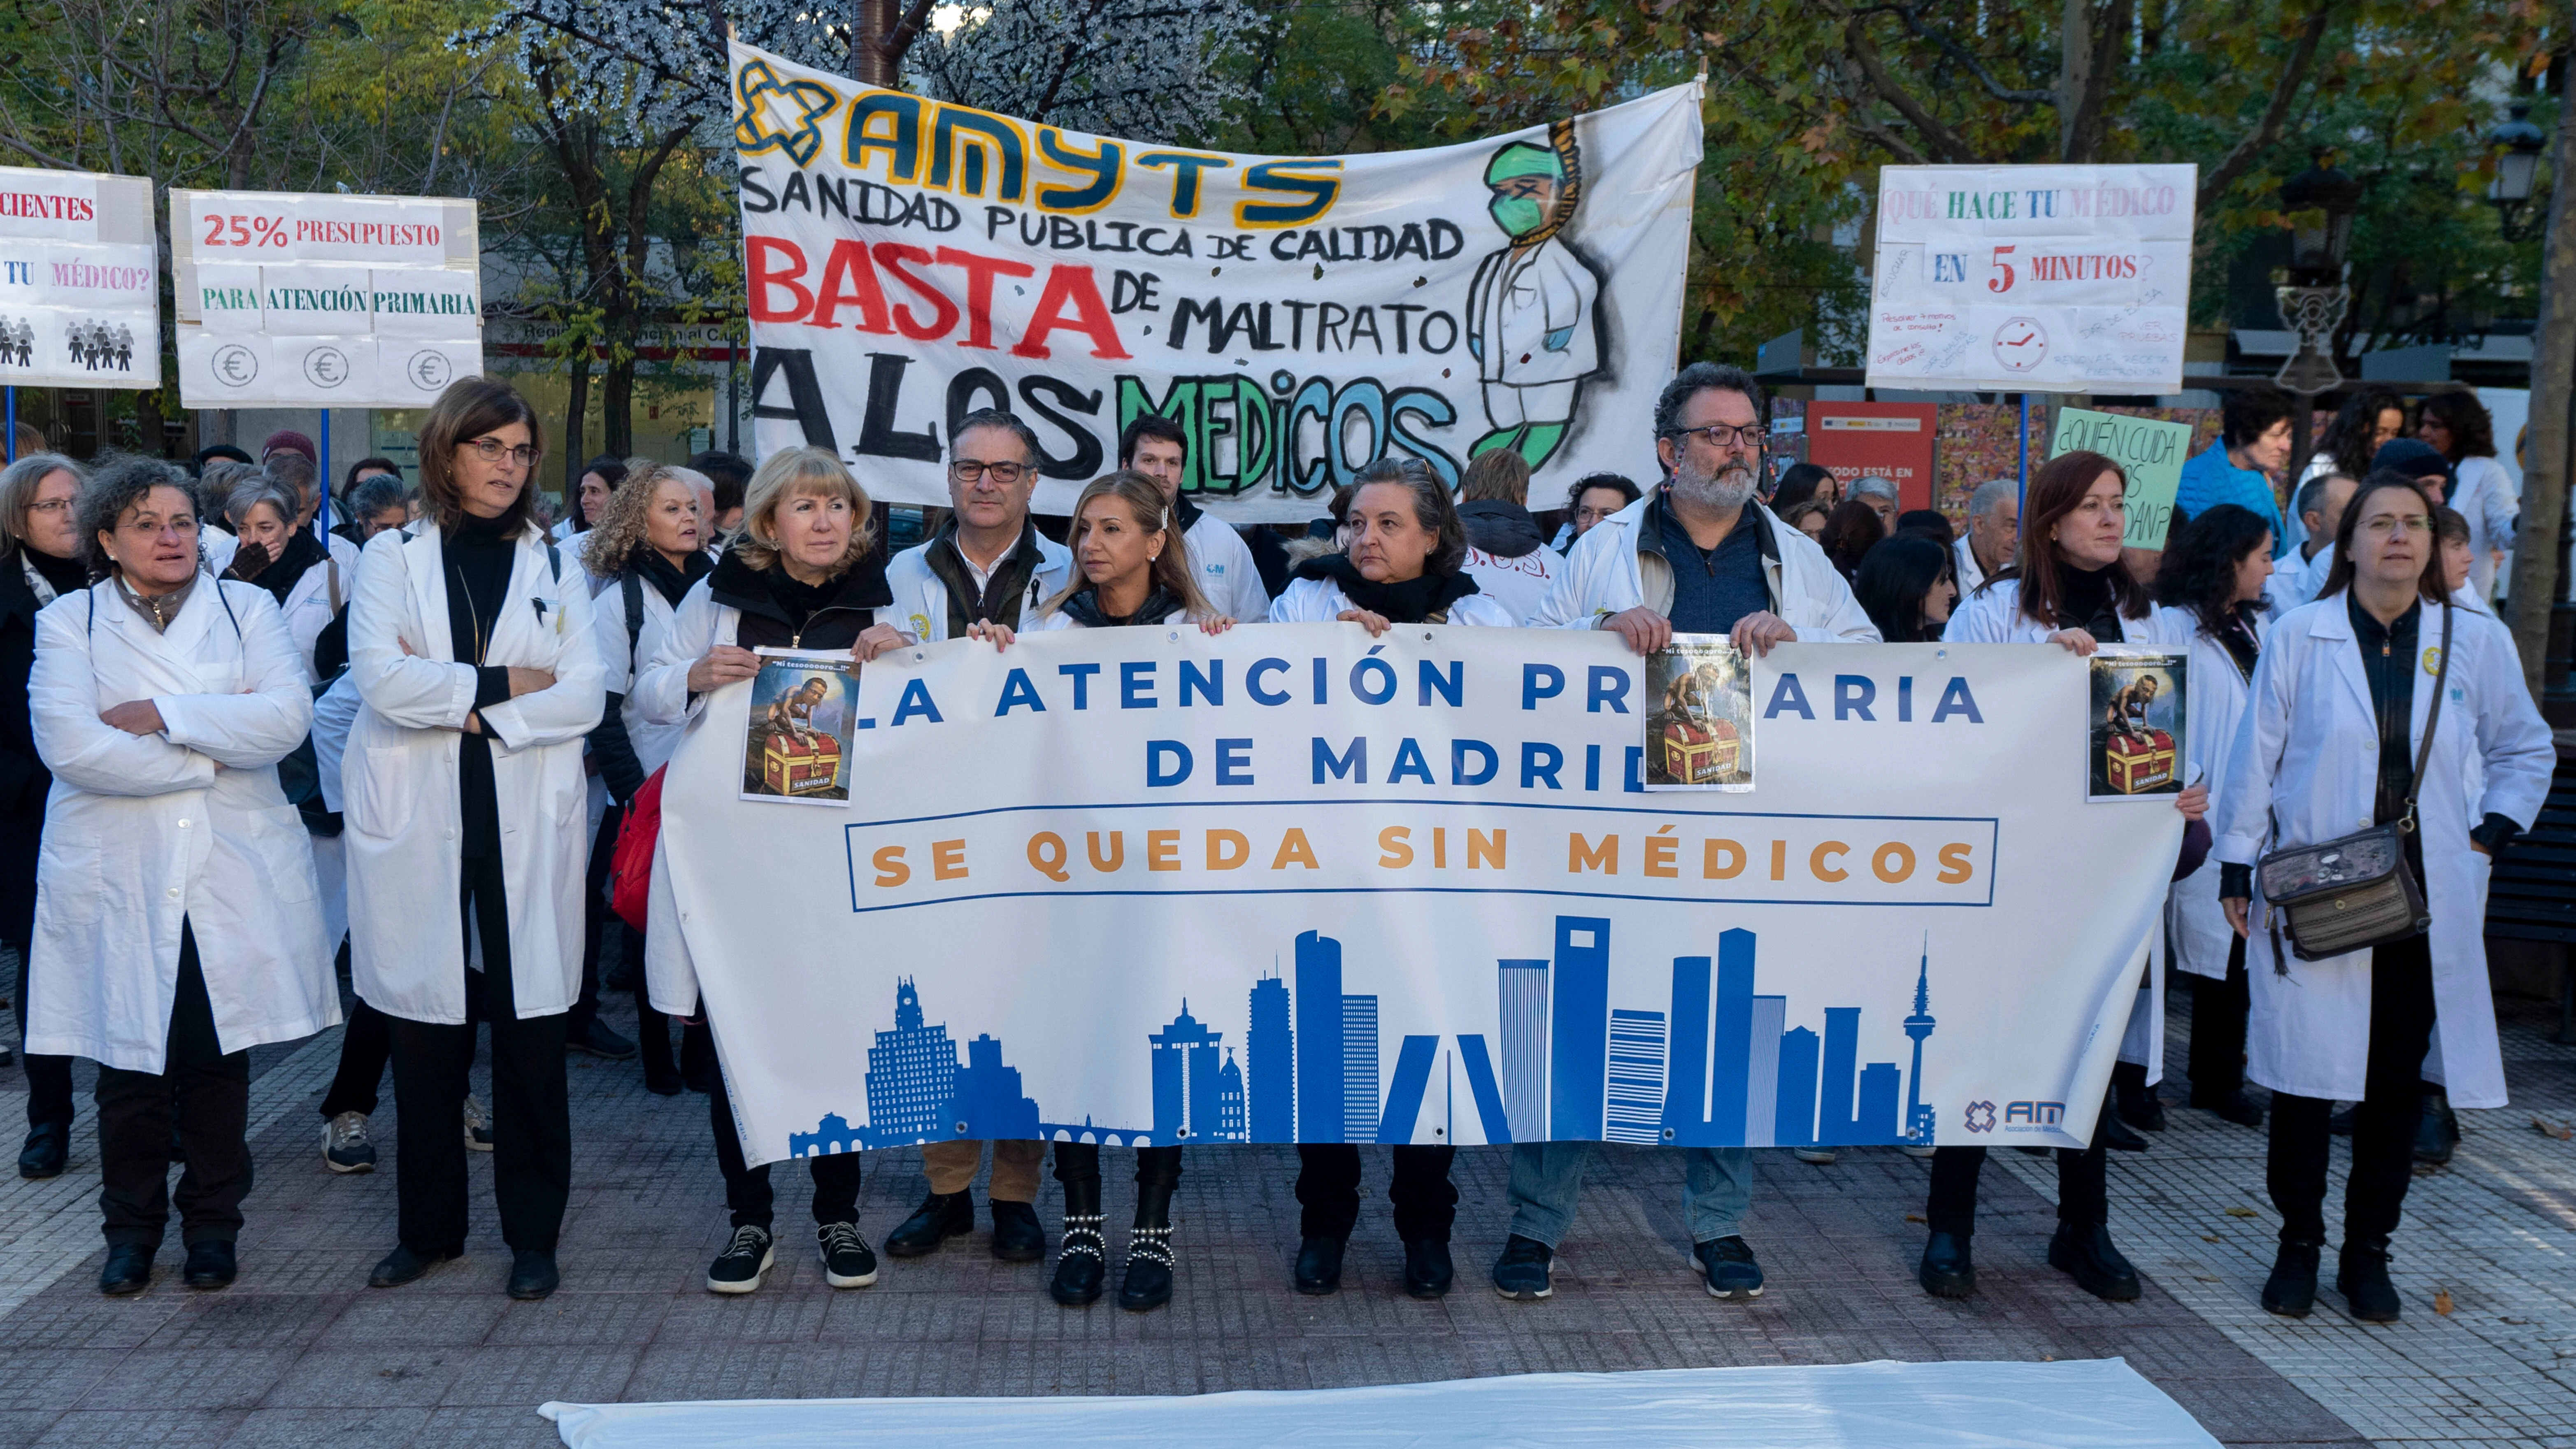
x,y
302,1352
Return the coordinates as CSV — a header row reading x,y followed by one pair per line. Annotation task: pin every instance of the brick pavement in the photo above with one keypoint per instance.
x,y
302,1352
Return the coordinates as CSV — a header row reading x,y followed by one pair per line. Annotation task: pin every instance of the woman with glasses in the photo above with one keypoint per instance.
x,y
2340,714
42,562
175,919
472,650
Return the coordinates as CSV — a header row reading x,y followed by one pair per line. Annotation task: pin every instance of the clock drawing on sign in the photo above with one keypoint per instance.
x,y
2020,344
326,367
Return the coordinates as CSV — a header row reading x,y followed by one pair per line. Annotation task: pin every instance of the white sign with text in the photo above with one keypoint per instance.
x,y
80,293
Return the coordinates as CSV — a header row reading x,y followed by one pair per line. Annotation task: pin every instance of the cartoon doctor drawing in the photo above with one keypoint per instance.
x,y
1532,321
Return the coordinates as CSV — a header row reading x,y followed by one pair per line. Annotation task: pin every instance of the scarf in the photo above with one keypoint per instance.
x,y
1415,601
161,609
1083,607
49,577
671,581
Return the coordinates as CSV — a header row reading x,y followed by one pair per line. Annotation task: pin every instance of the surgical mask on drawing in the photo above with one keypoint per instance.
x,y
1518,215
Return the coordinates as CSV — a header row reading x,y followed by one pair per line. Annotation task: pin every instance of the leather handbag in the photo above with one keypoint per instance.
x,y
2356,891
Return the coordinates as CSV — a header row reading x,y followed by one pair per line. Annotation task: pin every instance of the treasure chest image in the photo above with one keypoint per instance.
x,y
2134,765
794,766
1695,754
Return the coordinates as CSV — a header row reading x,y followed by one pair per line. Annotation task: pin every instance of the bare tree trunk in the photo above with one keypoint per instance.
x,y
2540,536
2075,78
576,413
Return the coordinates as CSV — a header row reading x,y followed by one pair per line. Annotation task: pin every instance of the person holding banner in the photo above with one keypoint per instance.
x,y
175,919
1155,446
475,663
803,575
37,496
1698,555
2072,589
1406,565
2340,734
2218,569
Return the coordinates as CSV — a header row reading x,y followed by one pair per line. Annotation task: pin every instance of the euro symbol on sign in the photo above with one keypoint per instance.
x,y
431,370
326,367
235,366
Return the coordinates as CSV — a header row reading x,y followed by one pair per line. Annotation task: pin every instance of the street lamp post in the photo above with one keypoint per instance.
x,y
2320,202
2518,146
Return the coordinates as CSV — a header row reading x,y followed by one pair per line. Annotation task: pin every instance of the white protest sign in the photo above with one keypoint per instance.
x,y
324,300
910,261
80,290
2032,278
1292,883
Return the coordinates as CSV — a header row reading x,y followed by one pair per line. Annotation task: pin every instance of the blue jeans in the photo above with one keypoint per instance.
x,y
1547,1177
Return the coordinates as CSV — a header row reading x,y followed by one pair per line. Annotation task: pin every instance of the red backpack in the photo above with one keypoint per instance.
x,y
630,868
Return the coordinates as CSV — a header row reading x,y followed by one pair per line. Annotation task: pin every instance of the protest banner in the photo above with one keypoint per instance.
x,y
80,280
2032,278
1854,440
292,300
1297,884
2150,452
912,260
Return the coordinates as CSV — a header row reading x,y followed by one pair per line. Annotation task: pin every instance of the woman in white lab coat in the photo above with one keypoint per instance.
x,y
288,562
643,553
2216,569
175,918
2327,748
2072,590
472,648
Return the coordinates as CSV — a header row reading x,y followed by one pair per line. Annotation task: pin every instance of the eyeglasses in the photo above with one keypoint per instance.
x,y
50,505
1751,435
968,470
2389,525
493,450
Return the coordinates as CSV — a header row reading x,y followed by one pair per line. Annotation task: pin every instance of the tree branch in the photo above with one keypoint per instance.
x,y
1943,142
2216,181
1967,60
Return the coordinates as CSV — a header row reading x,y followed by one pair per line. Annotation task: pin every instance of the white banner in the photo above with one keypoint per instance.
x,y
80,280
2032,278
1293,884
910,261
324,300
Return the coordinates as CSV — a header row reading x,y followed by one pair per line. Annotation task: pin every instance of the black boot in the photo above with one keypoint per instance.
x,y
2135,1101
1948,1270
2084,1252
2112,1130
1147,1282
941,1216
2437,1131
1319,1265
2361,1276
1084,1261
2292,1289
48,1144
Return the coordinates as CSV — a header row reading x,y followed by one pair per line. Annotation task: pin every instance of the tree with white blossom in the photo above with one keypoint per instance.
x,y
1152,70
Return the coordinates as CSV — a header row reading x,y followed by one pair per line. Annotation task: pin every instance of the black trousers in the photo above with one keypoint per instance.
x,y
2083,1188
49,1078
747,1189
2383,1125
367,1045
207,1094
531,1117
1328,1189
2218,1009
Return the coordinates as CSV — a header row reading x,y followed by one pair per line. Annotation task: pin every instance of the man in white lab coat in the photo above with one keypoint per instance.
x,y
1155,446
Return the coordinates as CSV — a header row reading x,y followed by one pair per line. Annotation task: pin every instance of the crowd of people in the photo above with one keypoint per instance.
x,y
244,744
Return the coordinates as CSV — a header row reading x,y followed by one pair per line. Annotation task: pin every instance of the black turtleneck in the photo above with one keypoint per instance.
x,y
65,575
479,552
2087,601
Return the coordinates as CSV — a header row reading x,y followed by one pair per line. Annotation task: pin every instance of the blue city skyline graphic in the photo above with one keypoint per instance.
x,y
1716,1064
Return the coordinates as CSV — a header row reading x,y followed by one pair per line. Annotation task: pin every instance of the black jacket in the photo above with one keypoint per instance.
x,y
1505,530
24,781
843,609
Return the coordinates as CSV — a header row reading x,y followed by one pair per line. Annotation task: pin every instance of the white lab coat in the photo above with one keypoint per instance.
x,y
399,780
2296,581
1529,316
921,600
1964,558
2485,495
1320,601
143,832
311,606
1521,585
1605,574
1226,572
2194,920
2307,752
621,663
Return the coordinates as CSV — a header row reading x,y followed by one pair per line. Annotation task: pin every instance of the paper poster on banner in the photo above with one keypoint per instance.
x,y
324,300
1854,440
2150,452
1699,724
2032,278
80,292
800,716
910,260
2137,747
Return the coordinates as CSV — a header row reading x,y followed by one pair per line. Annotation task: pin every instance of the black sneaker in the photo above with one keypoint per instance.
x,y
743,1263
1728,1265
1522,1272
2291,1291
2361,1276
848,1261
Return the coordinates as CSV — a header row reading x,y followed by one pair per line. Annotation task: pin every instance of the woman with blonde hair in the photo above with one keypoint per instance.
x,y
804,574
644,553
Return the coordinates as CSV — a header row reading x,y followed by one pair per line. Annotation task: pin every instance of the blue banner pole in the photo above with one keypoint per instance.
x,y
13,425
322,511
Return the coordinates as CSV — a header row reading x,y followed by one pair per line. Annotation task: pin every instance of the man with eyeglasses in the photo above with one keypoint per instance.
x,y
987,566
1697,555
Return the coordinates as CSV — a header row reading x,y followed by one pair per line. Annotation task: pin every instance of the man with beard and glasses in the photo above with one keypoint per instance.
x,y
1697,555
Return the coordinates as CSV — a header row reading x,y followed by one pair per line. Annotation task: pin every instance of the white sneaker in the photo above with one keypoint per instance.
x,y
345,1147
1820,1156
1913,1151
478,1125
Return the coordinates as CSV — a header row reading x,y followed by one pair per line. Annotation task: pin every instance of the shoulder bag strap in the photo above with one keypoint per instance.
x,y
633,589
2432,719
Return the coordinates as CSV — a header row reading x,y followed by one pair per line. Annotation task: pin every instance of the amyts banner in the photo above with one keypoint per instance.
x,y
910,261
1293,884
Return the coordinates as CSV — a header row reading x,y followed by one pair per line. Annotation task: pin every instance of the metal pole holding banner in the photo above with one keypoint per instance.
x,y
322,510
13,425
2025,450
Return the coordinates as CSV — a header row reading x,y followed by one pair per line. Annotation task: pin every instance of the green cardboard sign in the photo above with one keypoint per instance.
x,y
2149,450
